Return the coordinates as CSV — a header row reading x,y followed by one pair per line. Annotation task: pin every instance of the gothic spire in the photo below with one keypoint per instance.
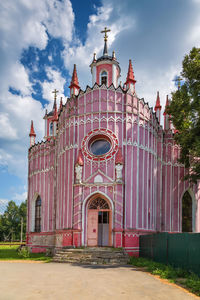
x,y
74,86
74,80
61,104
157,106
32,135
130,75
166,105
32,131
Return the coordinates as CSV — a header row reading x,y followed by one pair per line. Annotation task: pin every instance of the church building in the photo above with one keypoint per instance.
x,y
107,171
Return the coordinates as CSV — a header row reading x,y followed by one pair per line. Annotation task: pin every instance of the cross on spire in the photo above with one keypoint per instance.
x,y
178,81
105,31
55,93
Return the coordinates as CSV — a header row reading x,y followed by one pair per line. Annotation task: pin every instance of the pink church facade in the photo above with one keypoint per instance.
x,y
107,171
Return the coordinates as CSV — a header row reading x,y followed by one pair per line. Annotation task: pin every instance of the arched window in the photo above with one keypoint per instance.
x,y
51,128
187,212
104,77
38,214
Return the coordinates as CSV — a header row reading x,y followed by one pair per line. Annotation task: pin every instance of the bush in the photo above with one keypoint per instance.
x,y
24,252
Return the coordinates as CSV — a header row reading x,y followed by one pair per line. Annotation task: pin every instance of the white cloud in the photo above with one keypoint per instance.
x,y
55,80
82,54
3,205
155,45
18,198
23,24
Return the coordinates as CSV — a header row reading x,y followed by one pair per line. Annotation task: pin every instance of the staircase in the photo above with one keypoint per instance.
x,y
92,256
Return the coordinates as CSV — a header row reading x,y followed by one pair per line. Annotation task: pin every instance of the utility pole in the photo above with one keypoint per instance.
x,y
21,229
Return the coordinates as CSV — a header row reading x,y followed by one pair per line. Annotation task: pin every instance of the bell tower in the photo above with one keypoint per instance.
x,y
105,69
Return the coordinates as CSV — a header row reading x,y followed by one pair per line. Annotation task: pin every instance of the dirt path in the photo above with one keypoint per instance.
x,y
67,282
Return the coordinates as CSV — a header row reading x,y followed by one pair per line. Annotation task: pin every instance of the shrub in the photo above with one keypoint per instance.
x,y
24,252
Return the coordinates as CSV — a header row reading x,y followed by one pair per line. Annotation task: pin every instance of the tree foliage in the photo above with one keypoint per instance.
x,y
10,221
184,111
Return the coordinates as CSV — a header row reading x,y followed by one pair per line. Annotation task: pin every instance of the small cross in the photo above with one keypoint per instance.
x,y
178,81
105,31
55,93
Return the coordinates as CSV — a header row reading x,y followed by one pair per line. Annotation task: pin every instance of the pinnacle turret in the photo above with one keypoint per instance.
x,y
167,122
130,79
130,75
158,107
32,134
74,86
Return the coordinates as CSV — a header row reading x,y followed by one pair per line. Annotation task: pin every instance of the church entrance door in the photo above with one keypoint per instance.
x,y
99,223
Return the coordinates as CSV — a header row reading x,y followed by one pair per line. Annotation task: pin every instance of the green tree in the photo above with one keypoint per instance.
x,y
184,111
10,221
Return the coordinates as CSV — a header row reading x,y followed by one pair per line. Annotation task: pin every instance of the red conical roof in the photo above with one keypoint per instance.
x,y
130,75
166,105
158,106
55,112
32,131
119,157
61,104
74,81
80,158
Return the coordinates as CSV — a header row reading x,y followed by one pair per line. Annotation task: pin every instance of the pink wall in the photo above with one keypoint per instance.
x,y
150,196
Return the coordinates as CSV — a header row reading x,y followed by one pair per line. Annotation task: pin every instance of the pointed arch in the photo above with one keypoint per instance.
x,y
189,207
36,216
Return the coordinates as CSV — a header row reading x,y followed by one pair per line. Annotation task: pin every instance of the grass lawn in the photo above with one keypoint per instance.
x,y
188,280
10,253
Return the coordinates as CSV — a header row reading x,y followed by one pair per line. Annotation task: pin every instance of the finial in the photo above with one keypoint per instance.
x,y
113,55
55,94
94,57
105,31
105,50
178,81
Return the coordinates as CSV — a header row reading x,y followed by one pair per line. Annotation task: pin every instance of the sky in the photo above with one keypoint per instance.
x,y
40,41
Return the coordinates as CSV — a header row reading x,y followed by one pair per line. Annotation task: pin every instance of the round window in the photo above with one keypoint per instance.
x,y
100,146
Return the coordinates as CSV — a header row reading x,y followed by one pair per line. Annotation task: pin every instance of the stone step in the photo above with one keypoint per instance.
x,y
97,255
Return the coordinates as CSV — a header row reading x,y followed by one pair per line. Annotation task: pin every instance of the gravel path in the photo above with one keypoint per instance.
x,y
21,280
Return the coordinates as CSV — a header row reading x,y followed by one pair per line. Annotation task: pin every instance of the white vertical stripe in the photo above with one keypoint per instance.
x,y
143,153
68,169
131,165
178,198
138,138
72,179
161,175
148,154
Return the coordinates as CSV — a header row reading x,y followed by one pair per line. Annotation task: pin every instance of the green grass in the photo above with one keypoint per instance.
x,y
11,253
188,280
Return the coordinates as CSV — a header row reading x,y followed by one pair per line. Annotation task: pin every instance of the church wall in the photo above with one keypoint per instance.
x,y
41,183
148,200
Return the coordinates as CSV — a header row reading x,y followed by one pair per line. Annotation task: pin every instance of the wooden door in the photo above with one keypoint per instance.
x,y
103,228
92,228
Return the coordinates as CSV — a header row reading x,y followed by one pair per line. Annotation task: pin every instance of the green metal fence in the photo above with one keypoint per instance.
x,y
177,249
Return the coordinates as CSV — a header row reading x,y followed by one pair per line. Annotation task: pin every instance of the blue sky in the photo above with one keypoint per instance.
x,y
40,42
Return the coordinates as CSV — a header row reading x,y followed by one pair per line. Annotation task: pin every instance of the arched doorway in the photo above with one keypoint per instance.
x,y
187,212
99,222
